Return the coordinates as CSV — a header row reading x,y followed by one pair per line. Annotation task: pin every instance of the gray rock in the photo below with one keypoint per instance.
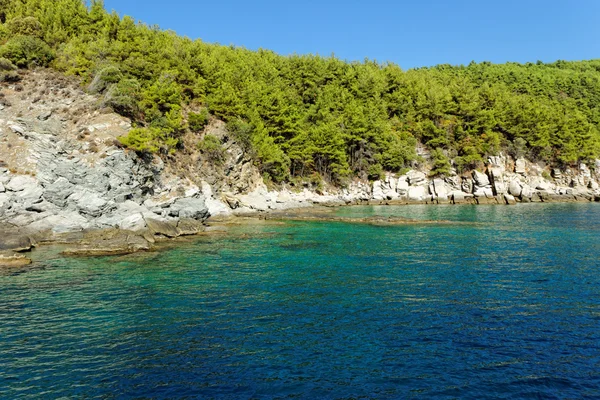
x,y
135,222
45,115
190,227
17,243
58,192
485,192
192,207
164,228
377,191
88,202
458,197
402,186
17,129
440,189
2,188
21,182
65,222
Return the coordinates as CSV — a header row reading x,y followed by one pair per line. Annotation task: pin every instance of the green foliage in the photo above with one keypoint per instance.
x,y
298,116
26,51
212,149
123,97
27,26
149,140
7,65
375,172
441,164
8,71
197,121
105,78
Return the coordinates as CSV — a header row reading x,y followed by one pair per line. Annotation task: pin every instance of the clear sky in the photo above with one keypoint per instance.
x,y
409,33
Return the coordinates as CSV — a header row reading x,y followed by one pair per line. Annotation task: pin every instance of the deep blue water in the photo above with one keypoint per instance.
x,y
503,304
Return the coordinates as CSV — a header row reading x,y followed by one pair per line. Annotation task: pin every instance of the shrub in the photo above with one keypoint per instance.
x,y
375,172
211,147
25,51
28,26
441,163
197,121
104,79
8,71
148,140
123,97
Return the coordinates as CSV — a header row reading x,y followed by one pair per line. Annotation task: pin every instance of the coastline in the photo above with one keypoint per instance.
x,y
117,242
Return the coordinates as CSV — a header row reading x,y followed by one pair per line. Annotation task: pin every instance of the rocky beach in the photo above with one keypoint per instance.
x,y
64,178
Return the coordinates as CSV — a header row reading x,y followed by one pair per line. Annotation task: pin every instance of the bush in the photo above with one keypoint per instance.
x,y
26,51
375,172
441,163
6,65
148,140
211,147
105,78
123,97
8,71
241,131
197,121
28,26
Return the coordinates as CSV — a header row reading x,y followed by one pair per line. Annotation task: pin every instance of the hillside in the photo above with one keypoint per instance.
x,y
308,118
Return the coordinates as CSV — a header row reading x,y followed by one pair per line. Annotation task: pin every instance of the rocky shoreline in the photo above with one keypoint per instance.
x,y
64,178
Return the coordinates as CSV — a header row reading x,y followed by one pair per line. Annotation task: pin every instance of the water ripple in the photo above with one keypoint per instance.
x,y
497,309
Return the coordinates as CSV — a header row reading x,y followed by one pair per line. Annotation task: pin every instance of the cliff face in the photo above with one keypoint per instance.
x,y
62,170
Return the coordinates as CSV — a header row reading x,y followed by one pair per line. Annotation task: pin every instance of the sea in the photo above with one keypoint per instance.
x,y
496,302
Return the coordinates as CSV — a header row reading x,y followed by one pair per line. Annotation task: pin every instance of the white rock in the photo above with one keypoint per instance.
x,y
21,182
134,222
17,129
416,177
377,193
514,188
484,192
480,179
520,166
417,193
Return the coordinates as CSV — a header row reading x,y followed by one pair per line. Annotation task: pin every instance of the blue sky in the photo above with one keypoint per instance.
x,y
408,33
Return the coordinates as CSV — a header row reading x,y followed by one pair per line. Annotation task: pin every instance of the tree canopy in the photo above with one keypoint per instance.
x,y
303,115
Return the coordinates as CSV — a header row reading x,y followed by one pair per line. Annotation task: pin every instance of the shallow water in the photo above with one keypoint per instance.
x,y
506,306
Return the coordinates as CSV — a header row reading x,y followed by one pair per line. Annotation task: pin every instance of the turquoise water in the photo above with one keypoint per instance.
x,y
506,305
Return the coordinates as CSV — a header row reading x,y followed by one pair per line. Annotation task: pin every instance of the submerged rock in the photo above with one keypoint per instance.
x,y
8,259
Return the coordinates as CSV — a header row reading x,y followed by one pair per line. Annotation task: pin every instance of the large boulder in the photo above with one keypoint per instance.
x,y
416,177
192,207
62,223
417,193
480,179
514,188
15,242
440,189
163,228
402,186
377,191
